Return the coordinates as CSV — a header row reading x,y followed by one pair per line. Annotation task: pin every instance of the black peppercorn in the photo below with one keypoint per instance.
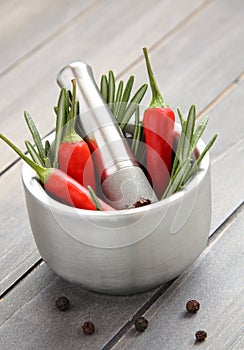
x,y
192,306
200,335
62,303
88,328
141,202
141,324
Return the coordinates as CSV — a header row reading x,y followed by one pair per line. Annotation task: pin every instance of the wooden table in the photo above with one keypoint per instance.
x,y
197,52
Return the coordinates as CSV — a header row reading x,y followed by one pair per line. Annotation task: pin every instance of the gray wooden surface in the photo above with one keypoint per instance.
x,y
197,52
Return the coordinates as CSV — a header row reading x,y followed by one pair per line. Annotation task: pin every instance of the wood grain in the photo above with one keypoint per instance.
x,y
30,320
202,59
44,327
28,24
196,49
214,280
18,251
101,38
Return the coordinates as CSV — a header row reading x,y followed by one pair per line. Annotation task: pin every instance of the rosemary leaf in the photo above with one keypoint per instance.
x,y
198,133
48,153
182,120
94,198
111,90
118,98
134,102
60,122
178,154
47,147
206,149
185,176
34,155
190,125
136,129
125,98
138,139
176,181
104,87
36,136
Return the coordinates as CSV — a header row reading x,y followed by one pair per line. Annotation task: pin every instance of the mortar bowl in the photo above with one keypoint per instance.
x,y
124,251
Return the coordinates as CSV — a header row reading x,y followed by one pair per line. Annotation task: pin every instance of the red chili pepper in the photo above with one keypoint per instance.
x,y
158,123
74,156
75,160
61,185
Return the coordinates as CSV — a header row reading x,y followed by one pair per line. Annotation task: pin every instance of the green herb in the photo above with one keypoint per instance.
x,y
47,148
34,154
37,140
118,97
61,112
104,87
122,105
94,198
125,99
111,90
137,134
184,167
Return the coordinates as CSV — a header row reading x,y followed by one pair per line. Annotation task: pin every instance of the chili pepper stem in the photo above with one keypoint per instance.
x,y
157,99
43,173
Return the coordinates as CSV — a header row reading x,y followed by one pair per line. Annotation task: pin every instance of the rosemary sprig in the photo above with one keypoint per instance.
x,y
184,167
122,105
37,140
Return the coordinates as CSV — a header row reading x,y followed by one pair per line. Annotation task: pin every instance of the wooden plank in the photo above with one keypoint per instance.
x,y
15,258
31,23
215,281
30,320
227,184
17,248
225,118
199,61
102,38
29,311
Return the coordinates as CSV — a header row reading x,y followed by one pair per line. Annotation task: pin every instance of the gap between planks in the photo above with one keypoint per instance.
x,y
22,277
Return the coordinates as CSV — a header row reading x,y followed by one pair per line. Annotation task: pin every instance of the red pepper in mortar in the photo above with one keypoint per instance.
x,y
61,185
158,123
74,156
